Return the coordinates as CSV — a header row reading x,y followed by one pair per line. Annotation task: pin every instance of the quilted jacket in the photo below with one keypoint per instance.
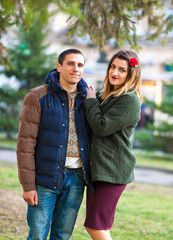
x,y
43,134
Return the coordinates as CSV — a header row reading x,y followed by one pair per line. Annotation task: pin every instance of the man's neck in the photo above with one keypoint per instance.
x,y
69,87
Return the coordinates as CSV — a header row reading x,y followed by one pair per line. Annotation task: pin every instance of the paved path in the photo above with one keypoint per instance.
x,y
154,176
9,156
143,175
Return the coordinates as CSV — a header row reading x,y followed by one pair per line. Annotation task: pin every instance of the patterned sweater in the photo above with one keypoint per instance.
x,y
73,156
73,145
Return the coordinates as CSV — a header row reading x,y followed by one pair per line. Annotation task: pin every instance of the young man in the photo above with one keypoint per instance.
x,y
53,149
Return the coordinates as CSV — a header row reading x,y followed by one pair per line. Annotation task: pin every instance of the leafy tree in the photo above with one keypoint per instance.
x,y
102,20
162,127
165,124
10,106
30,65
29,62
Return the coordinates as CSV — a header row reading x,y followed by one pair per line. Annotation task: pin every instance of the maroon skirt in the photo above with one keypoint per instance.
x,y
101,205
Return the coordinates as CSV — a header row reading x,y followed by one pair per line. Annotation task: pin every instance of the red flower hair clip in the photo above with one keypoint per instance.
x,y
133,62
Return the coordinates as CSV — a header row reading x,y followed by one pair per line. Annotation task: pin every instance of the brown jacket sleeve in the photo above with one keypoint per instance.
x,y
28,130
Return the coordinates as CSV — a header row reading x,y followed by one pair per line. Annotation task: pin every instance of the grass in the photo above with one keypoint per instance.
x,y
144,211
144,214
9,176
7,143
154,159
10,144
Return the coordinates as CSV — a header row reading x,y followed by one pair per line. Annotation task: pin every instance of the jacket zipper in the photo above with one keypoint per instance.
x,y
83,169
62,162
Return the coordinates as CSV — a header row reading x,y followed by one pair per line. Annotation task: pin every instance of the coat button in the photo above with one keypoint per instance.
x,y
81,149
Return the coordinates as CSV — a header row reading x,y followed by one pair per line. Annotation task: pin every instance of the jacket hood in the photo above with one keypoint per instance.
x,y
53,80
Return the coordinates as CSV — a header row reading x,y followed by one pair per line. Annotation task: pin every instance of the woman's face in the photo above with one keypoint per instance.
x,y
118,72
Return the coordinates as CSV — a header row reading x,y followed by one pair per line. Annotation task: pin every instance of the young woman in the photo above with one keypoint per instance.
x,y
112,116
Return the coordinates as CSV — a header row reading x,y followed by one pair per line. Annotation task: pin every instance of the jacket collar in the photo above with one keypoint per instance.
x,y
53,80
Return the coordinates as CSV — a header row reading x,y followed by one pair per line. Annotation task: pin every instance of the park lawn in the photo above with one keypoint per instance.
x,y
144,211
8,144
154,159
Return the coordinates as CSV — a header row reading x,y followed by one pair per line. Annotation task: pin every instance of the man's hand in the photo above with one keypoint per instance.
x,y
90,92
31,197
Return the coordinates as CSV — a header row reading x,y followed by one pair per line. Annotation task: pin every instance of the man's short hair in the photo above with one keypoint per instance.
x,y
66,52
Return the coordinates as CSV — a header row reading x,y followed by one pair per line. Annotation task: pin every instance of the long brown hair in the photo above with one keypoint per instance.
x,y
133,81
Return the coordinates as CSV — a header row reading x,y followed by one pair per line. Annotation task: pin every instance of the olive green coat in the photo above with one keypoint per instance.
x,y
112,122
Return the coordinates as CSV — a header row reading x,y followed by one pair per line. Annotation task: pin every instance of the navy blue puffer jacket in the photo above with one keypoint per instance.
x,y
44,121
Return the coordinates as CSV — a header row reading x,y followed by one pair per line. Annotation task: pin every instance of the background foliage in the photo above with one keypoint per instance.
x,y
29,64
10,102
101,20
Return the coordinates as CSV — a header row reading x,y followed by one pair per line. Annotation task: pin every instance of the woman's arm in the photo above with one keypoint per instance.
x,y
122,112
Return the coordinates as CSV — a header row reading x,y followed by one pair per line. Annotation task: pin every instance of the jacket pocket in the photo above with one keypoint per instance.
x,y
103,161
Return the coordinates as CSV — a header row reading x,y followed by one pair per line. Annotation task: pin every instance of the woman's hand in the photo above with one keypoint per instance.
x,y
91,92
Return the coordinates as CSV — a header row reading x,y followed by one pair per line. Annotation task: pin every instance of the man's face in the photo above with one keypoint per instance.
x,y
71,70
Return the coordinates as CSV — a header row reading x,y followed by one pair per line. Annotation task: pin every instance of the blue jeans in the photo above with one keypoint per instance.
x,y
56,211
